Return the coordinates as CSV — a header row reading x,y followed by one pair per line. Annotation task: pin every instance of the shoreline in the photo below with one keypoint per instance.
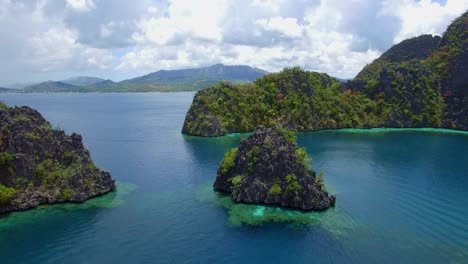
x,y
355,130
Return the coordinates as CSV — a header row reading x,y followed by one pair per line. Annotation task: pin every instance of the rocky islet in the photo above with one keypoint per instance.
x,y
269,168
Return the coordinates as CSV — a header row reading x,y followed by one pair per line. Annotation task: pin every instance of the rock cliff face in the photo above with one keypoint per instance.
x,y
41,165
424,73
269,168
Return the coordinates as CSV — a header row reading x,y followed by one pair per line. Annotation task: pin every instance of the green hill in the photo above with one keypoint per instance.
x,y
196,79
83,81
48,87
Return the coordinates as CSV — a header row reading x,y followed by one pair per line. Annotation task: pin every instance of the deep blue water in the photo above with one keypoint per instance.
x,y
402,197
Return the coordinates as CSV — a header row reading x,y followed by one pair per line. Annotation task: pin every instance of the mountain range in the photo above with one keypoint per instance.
x,y
83,81
163,80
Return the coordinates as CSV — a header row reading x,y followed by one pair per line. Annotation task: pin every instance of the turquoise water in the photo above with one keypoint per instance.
x,y
402,195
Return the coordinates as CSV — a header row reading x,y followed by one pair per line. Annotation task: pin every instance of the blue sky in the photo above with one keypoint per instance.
x,y
118,39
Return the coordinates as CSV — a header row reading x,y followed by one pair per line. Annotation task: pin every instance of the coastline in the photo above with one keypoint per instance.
x,y
353,130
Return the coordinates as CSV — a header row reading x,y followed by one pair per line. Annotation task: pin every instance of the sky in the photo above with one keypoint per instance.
x,y
119,39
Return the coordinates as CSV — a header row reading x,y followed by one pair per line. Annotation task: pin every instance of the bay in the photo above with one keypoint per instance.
x,y
401,194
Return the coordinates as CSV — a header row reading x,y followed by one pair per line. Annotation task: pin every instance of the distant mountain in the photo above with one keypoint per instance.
x,y
103,86
96,85
163,80
83,81
48,87
195,79
6,90
20,85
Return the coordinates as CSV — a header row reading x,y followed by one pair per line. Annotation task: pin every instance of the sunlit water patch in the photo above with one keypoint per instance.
x,y
397,130
335,220
106,201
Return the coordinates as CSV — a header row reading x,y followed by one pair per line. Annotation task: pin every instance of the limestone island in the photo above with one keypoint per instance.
x,y
421,82
42,165
269,168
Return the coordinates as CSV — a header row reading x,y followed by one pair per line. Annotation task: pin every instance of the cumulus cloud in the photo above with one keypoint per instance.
x,y
43,45
423,17
81,5
194,19
121,39
285,26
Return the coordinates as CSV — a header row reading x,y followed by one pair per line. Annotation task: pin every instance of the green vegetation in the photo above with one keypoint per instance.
x,y
236,182
22,183
275,189
290,135
90,183
294,99
3,106
293,186
228,161
303,157
422,86
278,175
414,48
320,181
253,156
6,195
68,154
91,167
67,194
51,171
42,165
34,135
6,161
46,126
22,118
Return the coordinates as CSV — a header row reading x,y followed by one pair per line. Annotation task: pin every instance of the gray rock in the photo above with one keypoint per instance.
x,y
45,166
269,169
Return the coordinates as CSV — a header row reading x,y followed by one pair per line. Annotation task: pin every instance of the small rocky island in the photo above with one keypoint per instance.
x,y
269,168
42,165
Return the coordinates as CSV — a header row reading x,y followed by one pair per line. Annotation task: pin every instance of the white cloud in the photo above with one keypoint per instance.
x,y
272,41
106,30
55,48
190,18
286,26
58,38
45,45
273,5
81,5
152,9
423,17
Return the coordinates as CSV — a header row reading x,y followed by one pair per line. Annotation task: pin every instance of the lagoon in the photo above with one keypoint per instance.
x,y
401,194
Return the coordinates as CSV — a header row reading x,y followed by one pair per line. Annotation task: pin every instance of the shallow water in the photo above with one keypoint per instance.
x,y
401,194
